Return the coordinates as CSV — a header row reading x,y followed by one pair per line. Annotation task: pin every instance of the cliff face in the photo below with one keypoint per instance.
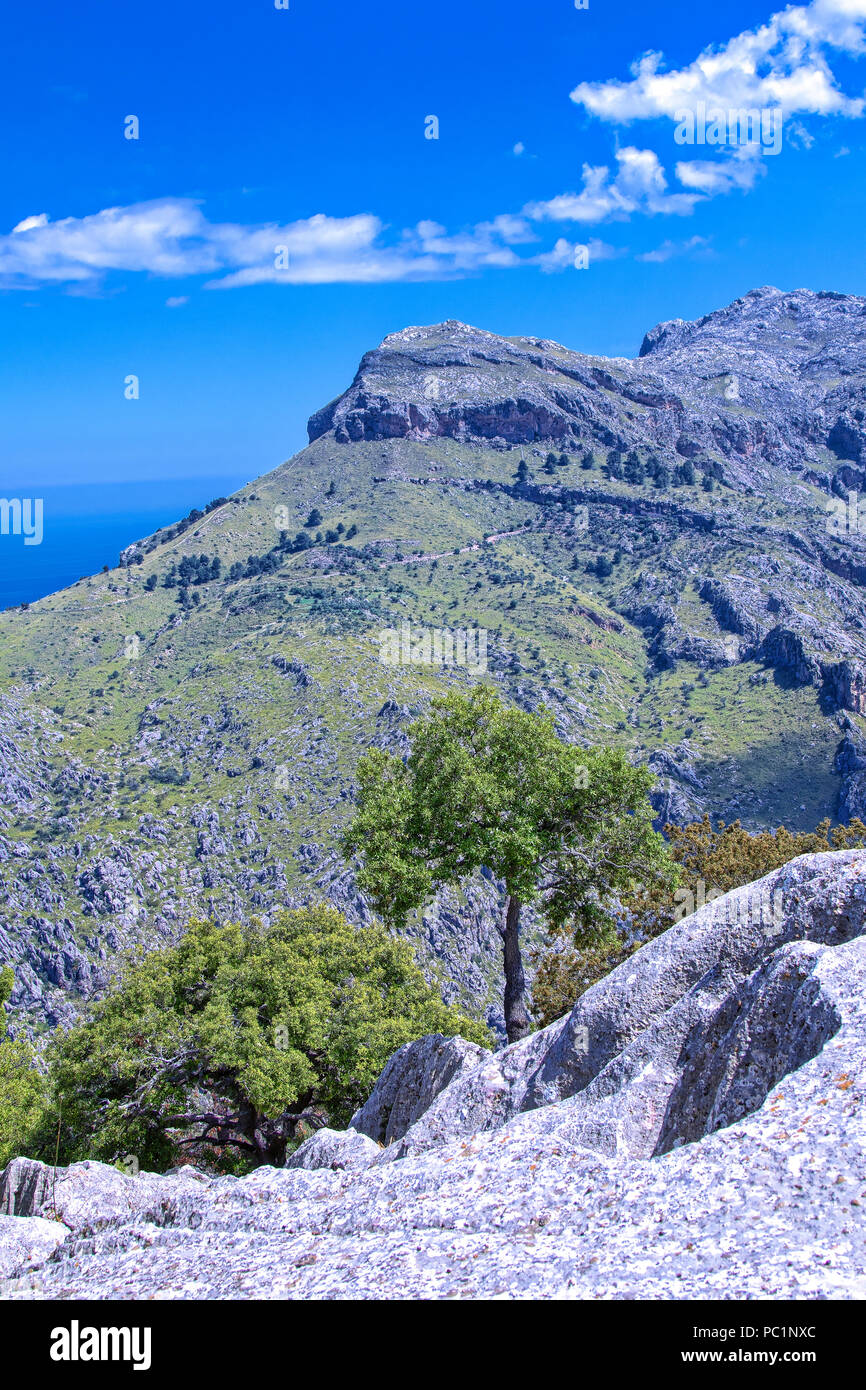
x,y
774,378
667,553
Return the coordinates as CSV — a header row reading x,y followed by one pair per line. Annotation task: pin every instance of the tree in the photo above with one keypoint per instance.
x,y
522,475
225,1042
712,861
315,517
485,786
634,469
22,1088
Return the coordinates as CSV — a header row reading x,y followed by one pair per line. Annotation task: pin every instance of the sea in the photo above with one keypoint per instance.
x,y
85,526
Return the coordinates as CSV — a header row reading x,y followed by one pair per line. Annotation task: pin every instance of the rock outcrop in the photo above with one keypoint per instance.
x,y
27,1242
334,1148
412,1079
693,1129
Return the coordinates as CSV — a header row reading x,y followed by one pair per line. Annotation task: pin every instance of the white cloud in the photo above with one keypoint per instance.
x,y
40,220
739,171
563,254
177,301
781,64
519,148
797,135
171,237
669,249
639,185
167,237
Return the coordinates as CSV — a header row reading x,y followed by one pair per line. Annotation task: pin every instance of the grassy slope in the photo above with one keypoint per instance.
x,y
204,700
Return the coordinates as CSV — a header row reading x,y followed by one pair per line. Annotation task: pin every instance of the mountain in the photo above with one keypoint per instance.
x,y
663,551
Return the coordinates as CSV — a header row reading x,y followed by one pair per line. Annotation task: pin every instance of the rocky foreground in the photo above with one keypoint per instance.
x,y
693,1129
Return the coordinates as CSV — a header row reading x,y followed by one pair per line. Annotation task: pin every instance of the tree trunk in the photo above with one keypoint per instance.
x,y
516,1018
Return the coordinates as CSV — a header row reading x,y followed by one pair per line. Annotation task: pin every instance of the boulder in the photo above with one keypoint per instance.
x,y
620,1053
412,1079
87,1194
334,1148
27,1242
25,1187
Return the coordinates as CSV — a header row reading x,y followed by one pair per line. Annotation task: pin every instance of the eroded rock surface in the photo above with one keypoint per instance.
x,y
412,1079
334,1148
693,1129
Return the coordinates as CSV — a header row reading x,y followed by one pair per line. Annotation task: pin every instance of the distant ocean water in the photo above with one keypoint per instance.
x,y
86,526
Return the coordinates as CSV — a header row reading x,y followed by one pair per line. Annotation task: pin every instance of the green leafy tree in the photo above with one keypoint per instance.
x,y
22,1088
564,828
225,1043
712,860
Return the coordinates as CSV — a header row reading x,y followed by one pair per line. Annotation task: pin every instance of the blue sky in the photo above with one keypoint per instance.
x,y
305,128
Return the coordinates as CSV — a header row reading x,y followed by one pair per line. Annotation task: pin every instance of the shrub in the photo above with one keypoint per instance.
x,y
22,1089
713,861
223,1044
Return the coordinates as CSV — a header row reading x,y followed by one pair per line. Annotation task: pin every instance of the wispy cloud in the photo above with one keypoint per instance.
x,y
695,245
172,238
739,171
564,254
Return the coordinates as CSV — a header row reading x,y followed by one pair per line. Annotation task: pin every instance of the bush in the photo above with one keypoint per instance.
x,y
22,1090
713,861
222,1045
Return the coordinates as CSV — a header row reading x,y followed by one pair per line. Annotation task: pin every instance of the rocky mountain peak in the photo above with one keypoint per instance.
x,y
785,327
775,377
